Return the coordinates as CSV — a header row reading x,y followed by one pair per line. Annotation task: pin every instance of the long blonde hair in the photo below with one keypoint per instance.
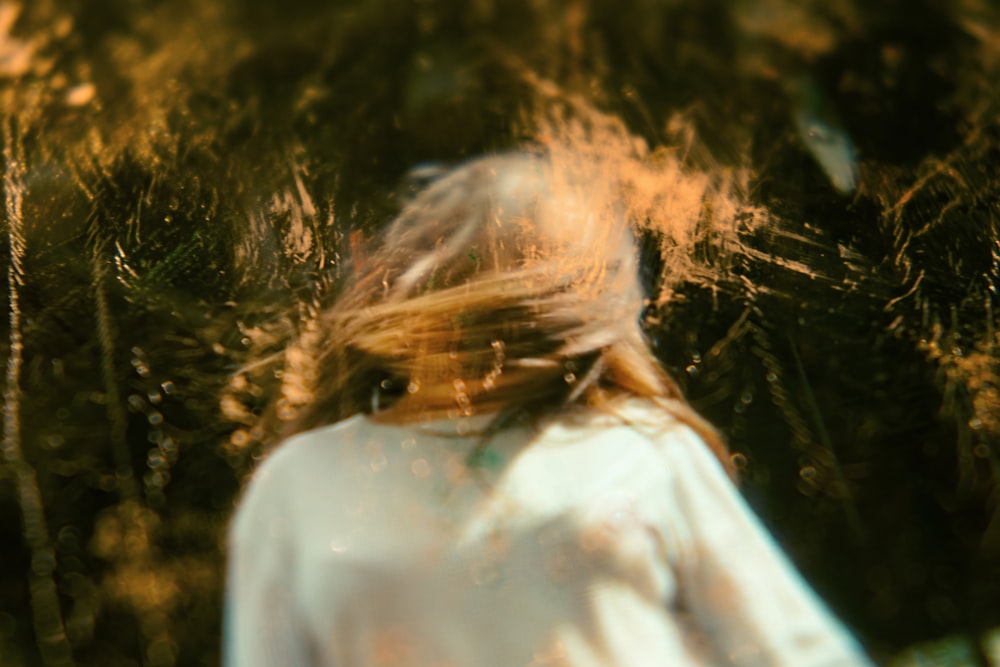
x,y
508,286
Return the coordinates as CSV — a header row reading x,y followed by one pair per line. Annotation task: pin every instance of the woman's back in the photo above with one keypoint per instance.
x,y
593,539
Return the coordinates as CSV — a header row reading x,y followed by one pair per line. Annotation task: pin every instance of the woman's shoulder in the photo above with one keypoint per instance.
x,y
659,421
305,447
670,432
272,483
639,431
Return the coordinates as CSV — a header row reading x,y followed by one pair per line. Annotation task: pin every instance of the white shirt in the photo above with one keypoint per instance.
x,y
586,542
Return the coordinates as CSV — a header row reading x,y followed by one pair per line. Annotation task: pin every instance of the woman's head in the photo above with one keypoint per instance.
x,y
510,283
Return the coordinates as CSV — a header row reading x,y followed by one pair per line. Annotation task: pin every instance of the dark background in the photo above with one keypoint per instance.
x,y
178,174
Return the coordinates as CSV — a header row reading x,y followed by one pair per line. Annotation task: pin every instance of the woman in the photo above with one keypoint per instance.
x,y
511,478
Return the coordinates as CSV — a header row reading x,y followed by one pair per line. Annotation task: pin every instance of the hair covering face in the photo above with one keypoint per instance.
x,y
510,284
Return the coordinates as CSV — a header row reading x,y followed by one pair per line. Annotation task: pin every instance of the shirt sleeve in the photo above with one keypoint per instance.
x,y
261,625
740,589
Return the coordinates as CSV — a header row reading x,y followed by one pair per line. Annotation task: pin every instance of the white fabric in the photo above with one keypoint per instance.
x,y
585,542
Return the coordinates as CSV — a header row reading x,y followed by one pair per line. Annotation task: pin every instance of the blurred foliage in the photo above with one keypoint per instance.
x,y
178,173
